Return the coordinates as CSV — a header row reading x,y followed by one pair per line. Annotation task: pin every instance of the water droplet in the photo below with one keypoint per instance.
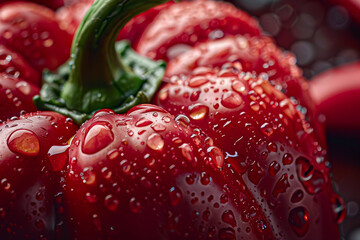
x,y
274,168
58,157
158,127
134,205
206,215
205,178
111,202
195,95
299,220
272,147
106,173
281,185
197,81
113,154
125,166
254,106
217,156
297,196
267,129
231,99
23,87
143,123
339,208
98,137
238,86
314,181
39,224
175,195
187,152
287,159
227,234
255,173
24,142
261,225
229,218
155,142
88,176
5,184
198,111
91,198
190,179
164,94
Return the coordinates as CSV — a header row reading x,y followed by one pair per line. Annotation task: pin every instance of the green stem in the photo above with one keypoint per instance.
x,y
98,78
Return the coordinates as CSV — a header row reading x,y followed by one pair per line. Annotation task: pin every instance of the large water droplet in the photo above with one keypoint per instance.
x,y
229,218
24,142
175,195
98,137
281,186
155,142
299,220
187,152
143,122
58,157
255,173
231,99
197,81
217,156
314,181
198,111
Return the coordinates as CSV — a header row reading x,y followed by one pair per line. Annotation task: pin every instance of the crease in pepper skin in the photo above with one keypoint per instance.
x,y
100,74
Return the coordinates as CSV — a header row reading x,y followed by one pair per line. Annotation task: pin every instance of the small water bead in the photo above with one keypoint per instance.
x,y
143,122
238,86
190,179
287,159
111,202
255,106
113,154
125,166
158,127
198,111
274,168
5,184
175,196
299,220
155,142
91,198
23,87
217,156
98,137
88,176
39,224
134,205
297,196
195,95
205,178
24,142
272,147
281,186
197,81
187,152
229,218
267,129
106,173
206,215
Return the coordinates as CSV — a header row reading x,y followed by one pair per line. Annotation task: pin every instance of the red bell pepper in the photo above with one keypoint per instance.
x,y
54,4
336,94
16,96
230,158
257,54
268,143
33,31
30,186
15,66
185,24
